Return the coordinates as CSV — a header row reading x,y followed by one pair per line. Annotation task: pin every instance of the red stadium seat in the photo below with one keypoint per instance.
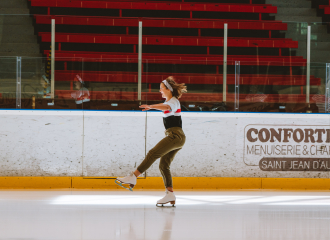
x,y
173,6
165,40
198,59
168,23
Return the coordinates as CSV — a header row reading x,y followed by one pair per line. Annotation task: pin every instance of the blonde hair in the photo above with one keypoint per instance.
x,y
178,88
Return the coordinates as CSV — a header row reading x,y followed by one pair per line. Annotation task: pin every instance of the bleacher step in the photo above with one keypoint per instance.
x,y
19,48
19,38
13,4
17,20
290,4
18,29
316,55
315,45
287,11
318,28
14,10
298,19
10,54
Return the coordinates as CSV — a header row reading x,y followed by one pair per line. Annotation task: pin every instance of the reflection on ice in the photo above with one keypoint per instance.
x,y
283,200
190,200
104,200
122,215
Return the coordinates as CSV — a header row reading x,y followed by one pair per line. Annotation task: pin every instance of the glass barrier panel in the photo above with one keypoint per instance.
x,y
8,82
237,80
199,66
69,82
264,90
320,46
202,78
295,39
271,38
318,96
147,93
37,82
269,64
110,84
266,40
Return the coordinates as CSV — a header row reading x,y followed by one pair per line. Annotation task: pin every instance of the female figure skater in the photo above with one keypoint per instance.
x,y
169,146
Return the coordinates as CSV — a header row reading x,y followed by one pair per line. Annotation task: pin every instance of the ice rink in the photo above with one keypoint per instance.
x,y
228,215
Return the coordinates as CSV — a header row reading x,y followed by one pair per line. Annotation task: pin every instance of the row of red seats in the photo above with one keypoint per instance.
x,y
171,58
166,40
164,23
173,6
198,59
132,77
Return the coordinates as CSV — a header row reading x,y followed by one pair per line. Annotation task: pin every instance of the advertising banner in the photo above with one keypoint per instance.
x,y
285,144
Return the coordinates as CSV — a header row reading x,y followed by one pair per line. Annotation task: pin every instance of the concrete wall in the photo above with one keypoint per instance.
x,y
112,143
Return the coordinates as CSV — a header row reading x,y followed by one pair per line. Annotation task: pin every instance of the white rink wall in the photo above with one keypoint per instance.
x,y
112,143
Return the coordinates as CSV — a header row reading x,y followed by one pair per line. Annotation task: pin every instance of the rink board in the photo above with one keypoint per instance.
x,y
156,183
107,144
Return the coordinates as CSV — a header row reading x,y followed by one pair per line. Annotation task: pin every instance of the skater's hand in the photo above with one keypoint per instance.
x,y
146,107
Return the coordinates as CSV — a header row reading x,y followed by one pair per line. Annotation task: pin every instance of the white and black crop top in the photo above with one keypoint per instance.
x,y
172,118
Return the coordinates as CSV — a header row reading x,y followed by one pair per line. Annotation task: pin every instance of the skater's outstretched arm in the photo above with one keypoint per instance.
x,y
160,106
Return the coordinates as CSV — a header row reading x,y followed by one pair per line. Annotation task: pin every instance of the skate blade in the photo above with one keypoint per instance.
x,y
119,183
162,204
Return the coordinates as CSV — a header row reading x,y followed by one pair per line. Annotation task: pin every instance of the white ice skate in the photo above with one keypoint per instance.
x,y
129,179
169,198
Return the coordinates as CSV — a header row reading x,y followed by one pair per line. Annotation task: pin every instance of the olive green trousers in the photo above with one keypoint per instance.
x,y
166,150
